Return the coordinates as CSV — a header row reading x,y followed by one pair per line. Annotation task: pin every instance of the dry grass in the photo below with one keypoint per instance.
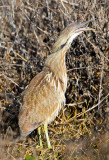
x,y
28,31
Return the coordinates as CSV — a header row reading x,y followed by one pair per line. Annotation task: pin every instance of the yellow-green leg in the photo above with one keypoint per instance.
x,y
40,139
47,137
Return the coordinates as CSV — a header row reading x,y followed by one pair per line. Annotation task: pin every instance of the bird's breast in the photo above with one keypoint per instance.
x,y
58,82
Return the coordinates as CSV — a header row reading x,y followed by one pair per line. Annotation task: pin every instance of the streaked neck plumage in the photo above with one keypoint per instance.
x,y
56,61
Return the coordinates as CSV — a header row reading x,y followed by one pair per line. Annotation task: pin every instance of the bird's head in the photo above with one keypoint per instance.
x,y
69,34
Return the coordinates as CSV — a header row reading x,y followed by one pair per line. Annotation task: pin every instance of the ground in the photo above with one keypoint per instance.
x,y
28,32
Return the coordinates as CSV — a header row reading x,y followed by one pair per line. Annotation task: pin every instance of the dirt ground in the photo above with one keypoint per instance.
x,y
28,30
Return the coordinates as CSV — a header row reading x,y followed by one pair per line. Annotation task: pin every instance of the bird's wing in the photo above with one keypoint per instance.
x,y
42,101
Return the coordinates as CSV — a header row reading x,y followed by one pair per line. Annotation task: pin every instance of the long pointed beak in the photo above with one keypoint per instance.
x,y
80,26
85,29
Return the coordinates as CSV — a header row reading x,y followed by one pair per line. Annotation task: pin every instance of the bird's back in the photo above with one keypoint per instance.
x,y
42,101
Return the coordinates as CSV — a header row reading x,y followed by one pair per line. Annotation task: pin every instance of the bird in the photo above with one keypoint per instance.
x,y
45,95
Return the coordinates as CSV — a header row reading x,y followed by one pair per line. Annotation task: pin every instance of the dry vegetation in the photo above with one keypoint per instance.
x,y
28,31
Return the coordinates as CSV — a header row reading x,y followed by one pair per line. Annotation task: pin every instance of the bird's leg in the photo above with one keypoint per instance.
x,y
40,139
47,137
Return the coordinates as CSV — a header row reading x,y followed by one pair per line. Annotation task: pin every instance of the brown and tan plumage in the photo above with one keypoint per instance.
x,y
45,95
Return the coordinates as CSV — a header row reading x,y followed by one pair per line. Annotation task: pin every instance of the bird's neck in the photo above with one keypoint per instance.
x,y
56,63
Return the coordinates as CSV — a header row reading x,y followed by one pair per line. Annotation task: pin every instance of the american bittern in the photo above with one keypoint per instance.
x,y
45,95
